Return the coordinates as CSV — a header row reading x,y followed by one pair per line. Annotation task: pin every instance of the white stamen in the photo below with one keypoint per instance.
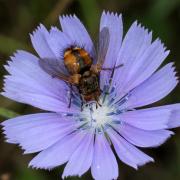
x,y
103,116
97,117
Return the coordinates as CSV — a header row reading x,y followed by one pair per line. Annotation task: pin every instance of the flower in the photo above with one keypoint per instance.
x,y
83,138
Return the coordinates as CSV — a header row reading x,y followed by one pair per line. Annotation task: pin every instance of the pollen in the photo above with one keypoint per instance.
x,y
100,115
97,117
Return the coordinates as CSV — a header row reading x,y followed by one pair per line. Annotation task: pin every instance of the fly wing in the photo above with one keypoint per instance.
x,y
104,39
54,67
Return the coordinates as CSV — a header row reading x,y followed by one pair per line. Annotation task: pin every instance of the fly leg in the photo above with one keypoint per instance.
x,y
97,101
96,68
110,82
110,79
70,98
82,103
111,69
98,104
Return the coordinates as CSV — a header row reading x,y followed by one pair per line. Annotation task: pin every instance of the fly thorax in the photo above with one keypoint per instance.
x,y
88,83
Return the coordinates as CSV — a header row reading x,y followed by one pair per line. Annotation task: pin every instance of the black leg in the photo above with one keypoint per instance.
x,y
110,69
70,99
110,82
82,103
97,102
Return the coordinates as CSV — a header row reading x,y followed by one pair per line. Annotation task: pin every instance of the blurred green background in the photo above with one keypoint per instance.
x,y
18,18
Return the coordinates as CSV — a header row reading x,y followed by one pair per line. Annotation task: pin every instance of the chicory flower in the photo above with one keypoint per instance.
x,y
83,138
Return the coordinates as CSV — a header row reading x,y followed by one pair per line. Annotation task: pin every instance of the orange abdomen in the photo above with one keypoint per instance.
x,y
77,60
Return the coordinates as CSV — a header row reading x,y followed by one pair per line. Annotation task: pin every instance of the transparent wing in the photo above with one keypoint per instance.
x,y
103,45
54,67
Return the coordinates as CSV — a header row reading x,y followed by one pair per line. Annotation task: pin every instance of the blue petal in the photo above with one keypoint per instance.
x,y
104,166
59,153
147,119
58,42
114,24
39,39
29,84
128,153
81,159
139,57
159,85
37,132
73,27
143,138
174,120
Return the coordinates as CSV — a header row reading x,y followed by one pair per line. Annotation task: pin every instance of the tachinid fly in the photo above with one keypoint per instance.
x,y
77,69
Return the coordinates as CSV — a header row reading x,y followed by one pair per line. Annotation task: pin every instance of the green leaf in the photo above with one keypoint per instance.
x,y
7,113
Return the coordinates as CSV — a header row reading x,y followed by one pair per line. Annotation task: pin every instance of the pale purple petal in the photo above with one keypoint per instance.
x,y
149,62
174,120
39,40
81,159
147,119
140,58
37,132
104,166
159,85
29,84
128,153
82,138
73,27
143,138
59,153
40,101
136,41
58,42
114,24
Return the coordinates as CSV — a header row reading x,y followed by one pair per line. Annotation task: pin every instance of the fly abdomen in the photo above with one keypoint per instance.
x,y
77,60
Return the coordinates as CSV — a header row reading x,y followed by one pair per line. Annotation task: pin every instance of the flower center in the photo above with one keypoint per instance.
x,y
101,117
96,117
